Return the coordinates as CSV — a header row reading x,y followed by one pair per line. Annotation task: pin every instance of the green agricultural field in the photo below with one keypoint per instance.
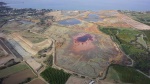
x,y
13,69
122,74
55,76
127,40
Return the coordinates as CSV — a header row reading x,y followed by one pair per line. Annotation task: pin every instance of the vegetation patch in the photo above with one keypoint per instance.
x,y
147,38
127,39
141,41
34,38
126,75
55,76
49,60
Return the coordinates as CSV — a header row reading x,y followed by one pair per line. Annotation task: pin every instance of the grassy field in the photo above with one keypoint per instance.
x,y
49,61
127,39
32,37
54,76
13,69
147,38
35,39
141,41
122,74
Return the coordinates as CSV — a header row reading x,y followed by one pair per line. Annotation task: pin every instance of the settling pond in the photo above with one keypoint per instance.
x,y
69,22
84,38
93,18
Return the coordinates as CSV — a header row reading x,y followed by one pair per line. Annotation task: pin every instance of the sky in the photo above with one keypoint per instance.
x,y
139,5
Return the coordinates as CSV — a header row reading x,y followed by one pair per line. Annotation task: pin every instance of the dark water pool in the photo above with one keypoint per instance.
x,y
93,18
84,38
69,22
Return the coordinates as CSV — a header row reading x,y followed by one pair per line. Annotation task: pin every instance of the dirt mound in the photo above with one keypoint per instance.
x,y
30,47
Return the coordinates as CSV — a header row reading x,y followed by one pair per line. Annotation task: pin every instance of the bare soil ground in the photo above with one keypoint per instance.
x,y
2,52
76,80
115,19
5,59
37,81
19,77
90,55
35,65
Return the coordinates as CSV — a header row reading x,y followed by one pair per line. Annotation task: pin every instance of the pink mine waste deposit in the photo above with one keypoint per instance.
x,y
83,42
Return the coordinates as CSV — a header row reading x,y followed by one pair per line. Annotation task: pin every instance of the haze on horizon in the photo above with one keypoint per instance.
x,y
138,5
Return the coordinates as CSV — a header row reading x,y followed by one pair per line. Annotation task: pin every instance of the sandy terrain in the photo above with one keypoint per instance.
x,y
5,59
115,19
36,81
76,80
2,52
35,65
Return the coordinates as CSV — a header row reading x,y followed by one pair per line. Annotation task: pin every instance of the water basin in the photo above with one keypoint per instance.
x,y
93,18
69,22
84,38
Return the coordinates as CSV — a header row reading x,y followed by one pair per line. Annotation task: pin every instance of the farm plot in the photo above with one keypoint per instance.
x,y
13,69
20,77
